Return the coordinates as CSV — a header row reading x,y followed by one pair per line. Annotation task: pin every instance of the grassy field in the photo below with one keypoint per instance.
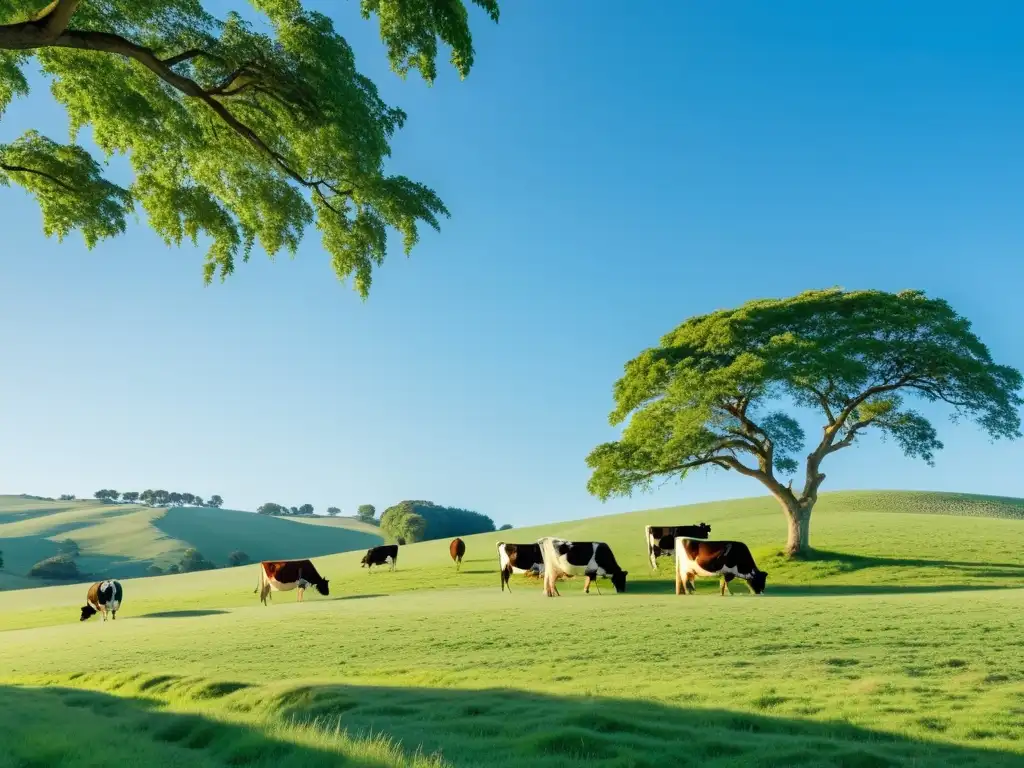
x,y
900,643
122,540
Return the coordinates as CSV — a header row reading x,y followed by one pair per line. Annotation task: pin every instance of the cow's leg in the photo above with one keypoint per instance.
x,y
726,578
586,584
692,583
299,591
680,584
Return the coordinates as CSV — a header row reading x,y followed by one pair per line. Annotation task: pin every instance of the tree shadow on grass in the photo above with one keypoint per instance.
x,y
148,736
478,728
840,590
179,614
850,563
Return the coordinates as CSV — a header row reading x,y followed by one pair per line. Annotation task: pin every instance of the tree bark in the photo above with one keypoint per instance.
x,y
798,516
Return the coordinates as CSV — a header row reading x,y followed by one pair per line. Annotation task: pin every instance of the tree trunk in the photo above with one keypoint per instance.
x,y
798,516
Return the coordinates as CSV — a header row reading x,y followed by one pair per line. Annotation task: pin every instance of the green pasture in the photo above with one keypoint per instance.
x,y
122,540
899,644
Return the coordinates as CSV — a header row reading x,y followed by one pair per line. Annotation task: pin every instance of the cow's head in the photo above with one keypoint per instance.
x,y
757,581
366,559
706,528
619,581
87,611
322,588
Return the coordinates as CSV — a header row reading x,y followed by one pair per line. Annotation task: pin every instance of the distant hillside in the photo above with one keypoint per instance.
x,y
123,540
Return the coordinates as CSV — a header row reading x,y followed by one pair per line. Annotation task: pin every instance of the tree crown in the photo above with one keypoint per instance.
x,y
235,135
708,394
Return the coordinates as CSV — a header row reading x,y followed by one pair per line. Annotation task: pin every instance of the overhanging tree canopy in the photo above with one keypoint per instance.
x,y
709,395
235,134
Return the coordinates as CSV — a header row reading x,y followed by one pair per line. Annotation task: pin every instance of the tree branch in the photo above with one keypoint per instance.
x,y
36,172
850,436
55,17
27,36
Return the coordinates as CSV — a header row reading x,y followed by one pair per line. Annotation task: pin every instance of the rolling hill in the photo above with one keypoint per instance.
x,y
123,540
897,644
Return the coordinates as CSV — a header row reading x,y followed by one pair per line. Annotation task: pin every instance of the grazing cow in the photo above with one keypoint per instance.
x,y
386,554
594,557
285,575
661,539
728,559
519,558
103,596
457,549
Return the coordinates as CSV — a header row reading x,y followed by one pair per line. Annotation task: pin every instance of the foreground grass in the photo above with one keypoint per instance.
x,y
474,678
898,643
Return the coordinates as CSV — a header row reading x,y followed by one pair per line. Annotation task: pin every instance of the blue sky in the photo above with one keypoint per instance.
x,y
612,168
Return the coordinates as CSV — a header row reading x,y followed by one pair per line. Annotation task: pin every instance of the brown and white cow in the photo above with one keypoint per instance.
x,y
661,539
594,558
385,554
286,575
457,549
728,559
103,597
518,558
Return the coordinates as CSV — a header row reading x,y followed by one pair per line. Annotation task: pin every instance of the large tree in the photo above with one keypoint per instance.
x,y
236,134
712,394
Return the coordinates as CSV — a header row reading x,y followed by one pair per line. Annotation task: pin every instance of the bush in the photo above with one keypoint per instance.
x,y
505,527
238,557
154,570
61,567
425,521
67,497
193,560
69,547
173,568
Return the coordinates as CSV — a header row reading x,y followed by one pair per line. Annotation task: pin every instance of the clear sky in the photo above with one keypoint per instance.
x,y
612,168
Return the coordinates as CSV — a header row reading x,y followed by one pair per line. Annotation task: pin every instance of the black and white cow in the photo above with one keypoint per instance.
x,y
385,554
594,558
518,558
661,539
728,559
103,597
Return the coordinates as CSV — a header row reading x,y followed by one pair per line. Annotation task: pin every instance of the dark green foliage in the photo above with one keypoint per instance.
x,y
1,560
505,527
424,520
306,509
67,497
711,394
69,547
154,570
270,508
236,133
173,568
130,496
215,501
333,511
58,567
106,495
238,557
367,513
193,560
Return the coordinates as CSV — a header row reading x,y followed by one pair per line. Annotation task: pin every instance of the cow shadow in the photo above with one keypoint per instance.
x,y
180,614
356,597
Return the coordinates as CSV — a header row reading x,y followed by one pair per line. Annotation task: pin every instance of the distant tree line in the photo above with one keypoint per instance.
x,y
424,521
158,498
367,512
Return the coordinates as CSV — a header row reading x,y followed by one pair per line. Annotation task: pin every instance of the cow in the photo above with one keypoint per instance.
x,y
594,557
457,549
103,597
386,554
728,559
518,558
285,575
661,539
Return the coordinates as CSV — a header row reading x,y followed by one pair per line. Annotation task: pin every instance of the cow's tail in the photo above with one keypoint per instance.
x,y
552,569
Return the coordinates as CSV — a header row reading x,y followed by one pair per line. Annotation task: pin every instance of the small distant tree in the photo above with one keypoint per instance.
x,y
173,568
238,557
333,511
161,498
154,570
146,497
193,560
106,494
215,501
505,527
130,496
175,499
198,501
188,498
58,567
67,497
367,513
69,547
270,508
293,510
306,509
